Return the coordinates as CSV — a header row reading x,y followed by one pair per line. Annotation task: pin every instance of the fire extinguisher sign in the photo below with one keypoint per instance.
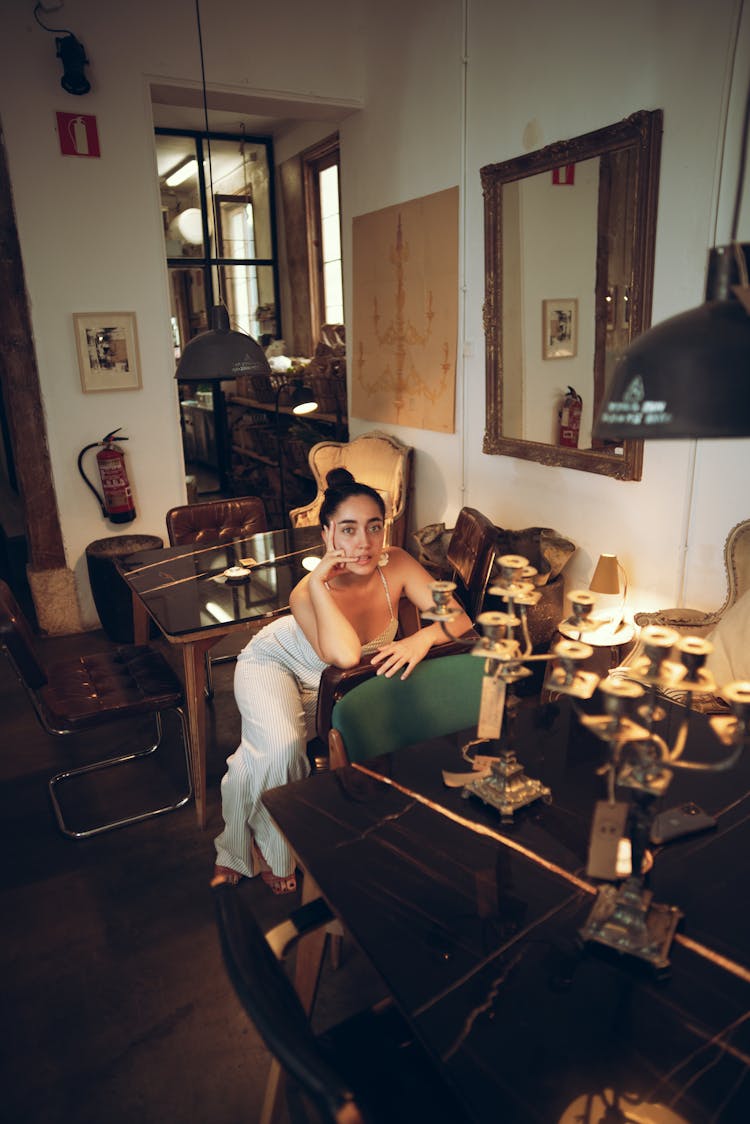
x,y
78,134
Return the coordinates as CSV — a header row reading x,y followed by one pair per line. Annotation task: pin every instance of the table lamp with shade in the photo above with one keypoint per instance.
x,y
606,580
604,624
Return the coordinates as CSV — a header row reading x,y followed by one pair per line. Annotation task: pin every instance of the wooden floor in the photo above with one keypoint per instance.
x,y
116,1007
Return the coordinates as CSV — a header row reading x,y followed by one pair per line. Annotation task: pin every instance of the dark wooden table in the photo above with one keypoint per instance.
x,y
473,927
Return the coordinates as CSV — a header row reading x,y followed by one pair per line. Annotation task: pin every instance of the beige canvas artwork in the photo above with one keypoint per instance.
x,y
405,317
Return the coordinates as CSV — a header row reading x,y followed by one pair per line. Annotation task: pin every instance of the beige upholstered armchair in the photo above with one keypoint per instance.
x,y
377,459
737,564
696,622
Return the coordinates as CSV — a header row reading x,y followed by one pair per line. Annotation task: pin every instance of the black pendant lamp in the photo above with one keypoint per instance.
x,y
221,352
690,375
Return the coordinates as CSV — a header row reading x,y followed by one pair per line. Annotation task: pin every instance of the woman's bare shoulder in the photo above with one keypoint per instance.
x,y
401,559
404,571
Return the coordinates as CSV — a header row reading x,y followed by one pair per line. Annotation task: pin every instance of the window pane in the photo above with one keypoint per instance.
x,y
236,227
330,226
248,292
329,191
331,236
334,296
240,176
188,301
177,165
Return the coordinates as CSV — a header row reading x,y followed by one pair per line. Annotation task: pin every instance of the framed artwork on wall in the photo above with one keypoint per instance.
x,y
107,345
560,328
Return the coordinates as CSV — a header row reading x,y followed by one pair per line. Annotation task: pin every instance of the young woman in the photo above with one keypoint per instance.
x,y
345,609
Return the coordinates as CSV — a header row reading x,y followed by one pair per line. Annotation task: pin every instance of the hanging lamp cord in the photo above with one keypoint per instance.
x,y
208,141
738,251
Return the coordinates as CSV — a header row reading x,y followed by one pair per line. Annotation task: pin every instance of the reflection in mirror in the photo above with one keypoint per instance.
x,y
569,245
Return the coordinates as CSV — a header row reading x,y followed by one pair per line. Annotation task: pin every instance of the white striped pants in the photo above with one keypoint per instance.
x,y
276,688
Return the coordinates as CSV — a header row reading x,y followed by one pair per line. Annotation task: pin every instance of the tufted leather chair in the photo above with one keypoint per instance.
x,y
375,458
209,523
471,554
216,521
88,691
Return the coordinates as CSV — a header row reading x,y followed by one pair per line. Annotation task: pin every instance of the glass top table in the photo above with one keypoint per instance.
x,y
186,592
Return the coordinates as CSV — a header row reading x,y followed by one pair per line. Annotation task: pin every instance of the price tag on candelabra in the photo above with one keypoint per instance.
x,y
491,708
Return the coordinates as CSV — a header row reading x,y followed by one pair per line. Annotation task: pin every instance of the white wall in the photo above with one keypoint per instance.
x,y
536,74
90,230
91,237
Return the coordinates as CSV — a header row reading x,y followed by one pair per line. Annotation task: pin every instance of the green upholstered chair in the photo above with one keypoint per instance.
x,y
381,715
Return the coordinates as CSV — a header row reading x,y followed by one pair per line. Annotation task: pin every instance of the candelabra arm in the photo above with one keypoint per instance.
x,y
714,766
525,631
468,641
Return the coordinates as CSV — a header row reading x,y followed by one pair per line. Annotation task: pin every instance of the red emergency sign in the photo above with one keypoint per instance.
x,y
78,134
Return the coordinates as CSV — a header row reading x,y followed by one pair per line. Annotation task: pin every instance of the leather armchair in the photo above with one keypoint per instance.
x,y
84,692
209,523
471,554
216,521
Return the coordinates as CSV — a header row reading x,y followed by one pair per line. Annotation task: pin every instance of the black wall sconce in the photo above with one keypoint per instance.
x,y
71,53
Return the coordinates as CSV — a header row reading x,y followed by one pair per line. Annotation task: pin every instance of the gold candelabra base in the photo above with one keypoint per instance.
x,y
626,919
506,787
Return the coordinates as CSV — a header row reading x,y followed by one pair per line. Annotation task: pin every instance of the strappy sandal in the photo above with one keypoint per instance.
x,y
277,883
225,874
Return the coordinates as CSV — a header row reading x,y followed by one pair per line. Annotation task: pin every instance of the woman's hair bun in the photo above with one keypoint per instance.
x,y
339,478
342,486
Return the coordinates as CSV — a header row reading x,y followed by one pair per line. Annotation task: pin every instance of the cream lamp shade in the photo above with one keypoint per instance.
x,y
606,577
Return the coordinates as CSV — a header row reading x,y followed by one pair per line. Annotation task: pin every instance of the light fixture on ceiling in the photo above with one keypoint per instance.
x,y
71,53
189,225
220,353
181,172
690,375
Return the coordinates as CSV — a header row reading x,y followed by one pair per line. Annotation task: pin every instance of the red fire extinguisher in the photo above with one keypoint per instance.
x,y
569,416
116,501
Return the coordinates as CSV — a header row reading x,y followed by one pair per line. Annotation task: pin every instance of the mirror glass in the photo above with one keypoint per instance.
x,y
569,250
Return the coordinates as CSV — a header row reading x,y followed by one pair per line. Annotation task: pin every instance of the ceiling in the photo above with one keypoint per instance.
x,y
181,107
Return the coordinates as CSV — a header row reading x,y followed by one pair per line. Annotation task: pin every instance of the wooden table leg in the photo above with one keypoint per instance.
x,y
141,621
310,952
194,671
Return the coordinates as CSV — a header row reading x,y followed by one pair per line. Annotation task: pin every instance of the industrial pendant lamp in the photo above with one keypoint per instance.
x,y
690,375
220,353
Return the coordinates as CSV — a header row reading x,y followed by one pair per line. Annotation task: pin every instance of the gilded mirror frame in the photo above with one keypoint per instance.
x,y
641,134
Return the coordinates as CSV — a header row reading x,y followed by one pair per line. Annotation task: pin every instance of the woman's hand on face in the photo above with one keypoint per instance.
x,y
402,655
333,561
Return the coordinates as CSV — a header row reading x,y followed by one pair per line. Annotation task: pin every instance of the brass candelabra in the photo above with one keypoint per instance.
x,y
638,758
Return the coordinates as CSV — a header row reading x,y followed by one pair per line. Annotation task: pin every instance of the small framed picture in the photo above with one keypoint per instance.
x,y
560,328
107,345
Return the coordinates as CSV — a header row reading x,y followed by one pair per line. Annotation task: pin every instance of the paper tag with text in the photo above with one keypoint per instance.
x,y
491,708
